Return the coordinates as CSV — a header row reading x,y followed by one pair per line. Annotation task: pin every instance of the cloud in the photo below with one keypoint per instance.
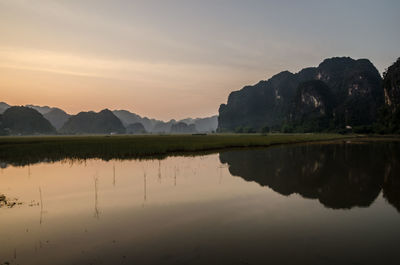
x,y
173,74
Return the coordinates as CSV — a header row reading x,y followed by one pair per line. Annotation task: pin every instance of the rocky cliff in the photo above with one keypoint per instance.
x,y
391,85
349,92
389,121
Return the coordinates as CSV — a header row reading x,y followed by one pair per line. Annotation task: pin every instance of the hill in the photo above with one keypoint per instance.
x,y
41,109
135,128
208,124
128,117
25,121
103,122
181,127
57,117
204,125
3,107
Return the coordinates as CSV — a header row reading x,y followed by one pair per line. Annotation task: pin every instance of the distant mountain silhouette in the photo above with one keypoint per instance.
x,y
41,109
163,127
355,94
204,125
3,107
128,117
103,122
208,124
135,128
57,117
181,127
26,121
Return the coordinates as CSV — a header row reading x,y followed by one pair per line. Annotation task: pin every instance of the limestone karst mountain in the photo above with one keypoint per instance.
x,y
135,128
389,120
25,121
57,117
206,125
181,127
354,92
3,107
103,122
340,93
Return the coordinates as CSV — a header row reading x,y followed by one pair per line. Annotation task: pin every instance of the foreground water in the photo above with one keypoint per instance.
x,y
305,204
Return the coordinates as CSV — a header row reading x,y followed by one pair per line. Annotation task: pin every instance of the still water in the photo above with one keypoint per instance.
x,y
303,204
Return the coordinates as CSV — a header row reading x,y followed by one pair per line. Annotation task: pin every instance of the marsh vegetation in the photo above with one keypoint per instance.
x,y
25,150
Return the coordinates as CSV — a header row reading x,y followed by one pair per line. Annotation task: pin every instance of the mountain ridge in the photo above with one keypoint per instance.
x,y
58,117
19,120
103,122
355,86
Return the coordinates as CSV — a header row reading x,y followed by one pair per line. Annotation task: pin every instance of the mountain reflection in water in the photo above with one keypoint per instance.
x,y
196,210
340,176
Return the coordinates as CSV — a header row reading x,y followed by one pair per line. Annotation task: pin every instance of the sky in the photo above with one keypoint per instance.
x,y
176,59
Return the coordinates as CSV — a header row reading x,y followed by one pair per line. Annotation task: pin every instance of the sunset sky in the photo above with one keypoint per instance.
x,y
176,59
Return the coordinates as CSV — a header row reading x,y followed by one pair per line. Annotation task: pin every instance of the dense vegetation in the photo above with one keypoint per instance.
x,y
23,150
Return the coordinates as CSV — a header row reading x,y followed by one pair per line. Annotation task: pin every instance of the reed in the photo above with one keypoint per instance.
x,y
24,150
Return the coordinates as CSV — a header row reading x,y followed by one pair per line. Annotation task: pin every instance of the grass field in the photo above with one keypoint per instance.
x,y
22,150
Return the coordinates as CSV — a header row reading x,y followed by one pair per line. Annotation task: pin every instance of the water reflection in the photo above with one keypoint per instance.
x,y
340,176
391,182
96,200
41,206
196,210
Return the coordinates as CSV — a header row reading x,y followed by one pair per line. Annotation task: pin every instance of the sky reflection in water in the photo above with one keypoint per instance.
x,y
305,204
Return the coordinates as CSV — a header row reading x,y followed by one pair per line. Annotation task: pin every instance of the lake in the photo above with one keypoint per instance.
x,y
336,203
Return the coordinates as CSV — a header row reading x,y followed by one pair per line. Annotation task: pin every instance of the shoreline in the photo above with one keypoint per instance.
x,y
23,150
